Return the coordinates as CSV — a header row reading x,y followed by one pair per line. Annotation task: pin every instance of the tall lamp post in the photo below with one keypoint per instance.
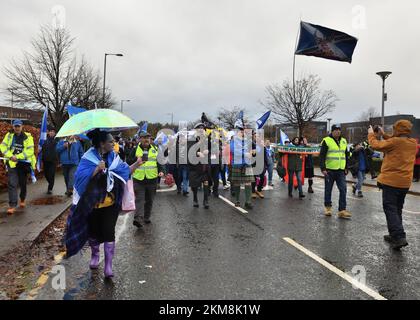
x,y
172,118
329,125
103,92
383,75
122,104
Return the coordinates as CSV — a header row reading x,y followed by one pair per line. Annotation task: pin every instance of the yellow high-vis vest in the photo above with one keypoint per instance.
x,y
149,169
28,153
336,155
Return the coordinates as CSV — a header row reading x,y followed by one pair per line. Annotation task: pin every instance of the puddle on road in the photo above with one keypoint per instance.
x,y
48,201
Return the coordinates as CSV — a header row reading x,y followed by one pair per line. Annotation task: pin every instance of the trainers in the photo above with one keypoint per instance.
x,y
254,195
360,194
328,211
22,204
260,194
195,204
49,192
11,211
310,190
301,196
344,214
237,204
248,206
226,187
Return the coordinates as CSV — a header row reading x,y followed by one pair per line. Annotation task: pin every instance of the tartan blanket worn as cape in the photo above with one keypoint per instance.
x,y
89,192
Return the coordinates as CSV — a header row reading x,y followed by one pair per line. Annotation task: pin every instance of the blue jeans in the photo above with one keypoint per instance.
x,y
338,177
298,178
393,203
184,176
68,171
270,169
360,179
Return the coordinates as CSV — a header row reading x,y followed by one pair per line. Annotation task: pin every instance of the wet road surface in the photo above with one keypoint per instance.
x,y
222,253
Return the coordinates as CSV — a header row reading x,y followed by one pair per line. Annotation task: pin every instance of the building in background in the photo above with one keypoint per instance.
x,y
32,117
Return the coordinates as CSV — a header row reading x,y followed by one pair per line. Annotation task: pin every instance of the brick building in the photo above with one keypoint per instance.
x,y
33,117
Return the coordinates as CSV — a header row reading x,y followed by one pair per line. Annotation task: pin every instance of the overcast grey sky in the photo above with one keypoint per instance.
x,y
189,56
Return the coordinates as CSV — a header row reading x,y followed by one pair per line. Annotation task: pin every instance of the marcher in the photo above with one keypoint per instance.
x,y
145,178
416,174
216,158
270,162
258,152
294,167
199,168
18,149
182,167
309,166
241,169
359,168
49,158
369,155
333,160
70,152
396,176
97,200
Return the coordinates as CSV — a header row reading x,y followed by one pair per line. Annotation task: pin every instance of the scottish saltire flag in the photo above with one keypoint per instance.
x,y
261,121
42,137
325,43
74,110
143,128
283,137
162,136
240,121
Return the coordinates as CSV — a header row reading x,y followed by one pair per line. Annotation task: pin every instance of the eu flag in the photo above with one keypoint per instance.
x,y
325,43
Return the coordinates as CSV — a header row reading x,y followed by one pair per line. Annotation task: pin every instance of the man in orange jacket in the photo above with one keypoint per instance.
x,y
396,176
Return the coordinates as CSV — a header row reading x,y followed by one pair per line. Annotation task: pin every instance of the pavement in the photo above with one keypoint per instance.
x,y
282,249
414,189
42,209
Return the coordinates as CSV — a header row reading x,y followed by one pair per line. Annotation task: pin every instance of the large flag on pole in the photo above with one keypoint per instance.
x,y
261,121
240,121
42,137
325,43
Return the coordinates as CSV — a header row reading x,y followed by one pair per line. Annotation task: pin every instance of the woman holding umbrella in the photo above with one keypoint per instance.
x,y
98,191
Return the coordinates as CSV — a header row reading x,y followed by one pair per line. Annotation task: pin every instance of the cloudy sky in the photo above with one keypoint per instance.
x,y
189,56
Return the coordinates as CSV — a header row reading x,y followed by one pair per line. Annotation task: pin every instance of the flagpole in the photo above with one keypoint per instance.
x,y
294,65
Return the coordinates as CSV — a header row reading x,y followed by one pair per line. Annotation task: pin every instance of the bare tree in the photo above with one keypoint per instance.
x,y
227,117
300,106
51,75
368,114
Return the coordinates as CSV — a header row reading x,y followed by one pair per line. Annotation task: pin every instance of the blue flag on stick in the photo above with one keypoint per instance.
x,y
325,43
42,137
261,121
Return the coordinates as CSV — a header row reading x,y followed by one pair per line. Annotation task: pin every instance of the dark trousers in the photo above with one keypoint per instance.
x,y
339,177
416,175
298,178
223,173
49,172
393,203
145,193
16,177
215,171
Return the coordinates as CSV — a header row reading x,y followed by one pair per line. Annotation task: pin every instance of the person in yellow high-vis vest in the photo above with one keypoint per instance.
x,y
18,150
145,178
333,160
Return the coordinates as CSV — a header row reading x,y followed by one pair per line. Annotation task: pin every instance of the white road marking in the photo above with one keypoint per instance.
x,y
232,204
372,293
409,211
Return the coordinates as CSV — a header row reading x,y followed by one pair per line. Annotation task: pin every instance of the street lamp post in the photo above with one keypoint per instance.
x,y
172,118
383,75
122,104
329,125
103,92
11,101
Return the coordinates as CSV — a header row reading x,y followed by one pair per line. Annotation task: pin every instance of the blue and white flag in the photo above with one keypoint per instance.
x,y
42,137
283,137
261,121
239,124
74,110
162,136
325,43
143,128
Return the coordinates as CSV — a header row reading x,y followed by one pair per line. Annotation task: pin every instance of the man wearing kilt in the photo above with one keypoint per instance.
x,y
241,169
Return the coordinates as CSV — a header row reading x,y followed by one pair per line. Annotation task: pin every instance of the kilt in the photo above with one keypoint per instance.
x,y
241,175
